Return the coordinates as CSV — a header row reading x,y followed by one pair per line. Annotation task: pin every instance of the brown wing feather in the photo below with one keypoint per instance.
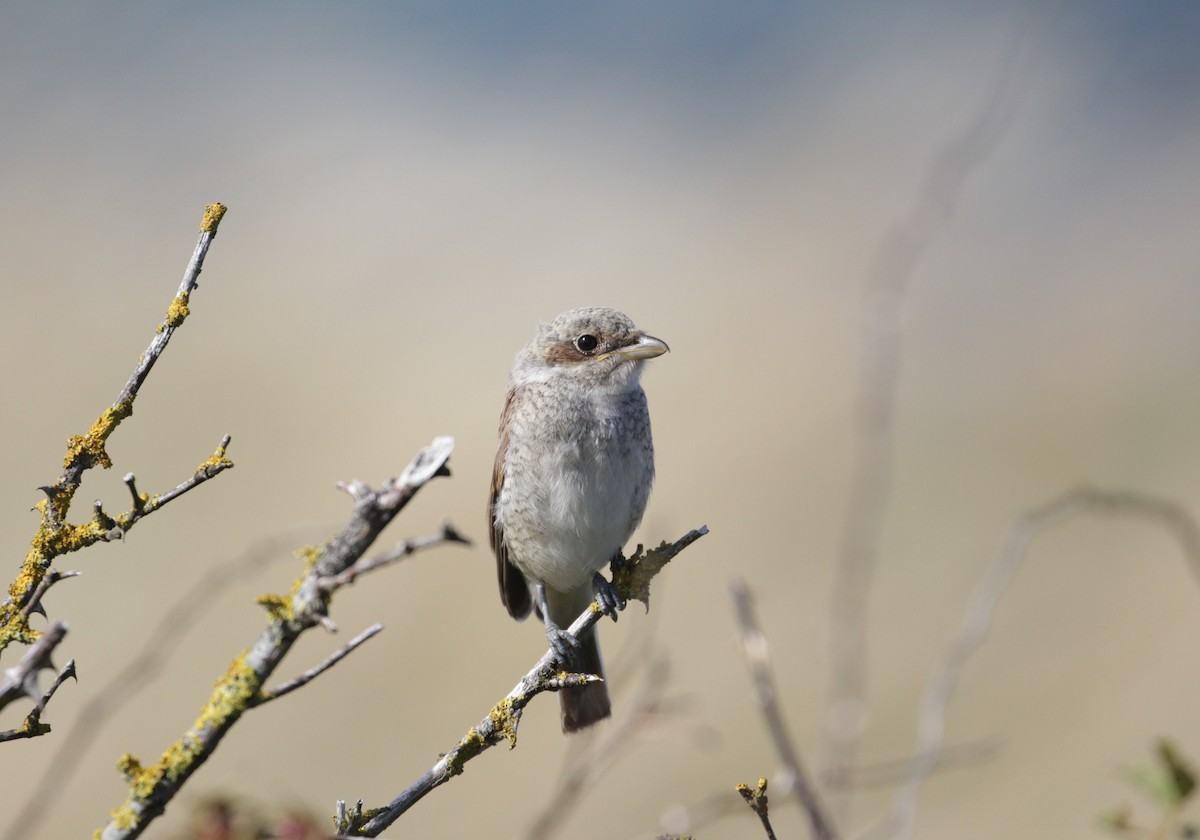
x,y
514,591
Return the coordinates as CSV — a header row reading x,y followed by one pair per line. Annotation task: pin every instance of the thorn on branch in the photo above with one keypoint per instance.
x,y
34,602
139,501
22,680
358,490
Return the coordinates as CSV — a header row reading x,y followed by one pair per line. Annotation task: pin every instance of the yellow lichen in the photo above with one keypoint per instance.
x,y
89,448
178,310
278,607
212,218
505,721
129,767
470,746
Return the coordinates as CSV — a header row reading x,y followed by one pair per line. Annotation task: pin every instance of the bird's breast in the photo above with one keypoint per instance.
x,y
577,477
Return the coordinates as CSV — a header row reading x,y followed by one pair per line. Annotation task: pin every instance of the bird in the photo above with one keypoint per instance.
x,y
571,479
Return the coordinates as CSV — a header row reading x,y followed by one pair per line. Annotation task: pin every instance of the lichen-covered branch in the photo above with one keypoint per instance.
x,y
304,607
56,536
631,578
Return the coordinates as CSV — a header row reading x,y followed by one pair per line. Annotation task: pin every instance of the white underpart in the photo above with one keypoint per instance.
x,y
583,497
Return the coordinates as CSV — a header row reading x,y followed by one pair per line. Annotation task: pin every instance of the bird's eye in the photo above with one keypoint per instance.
x,y
586,343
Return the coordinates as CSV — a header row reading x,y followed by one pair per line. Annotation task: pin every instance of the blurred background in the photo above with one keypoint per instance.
x,y
413,187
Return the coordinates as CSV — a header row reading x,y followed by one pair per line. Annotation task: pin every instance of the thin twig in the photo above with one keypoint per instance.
x,y
756,798
890,772
316,671
900,820
754,648
32,726
34,602
21,680
892,269
405,549
501,723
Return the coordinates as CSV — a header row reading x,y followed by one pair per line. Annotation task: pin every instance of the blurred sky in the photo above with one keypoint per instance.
x,y
412,187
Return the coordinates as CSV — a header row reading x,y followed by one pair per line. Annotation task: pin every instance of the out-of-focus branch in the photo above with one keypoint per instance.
x,y
796,778
632,578
55,535
900,820
886,289
306,606
642,707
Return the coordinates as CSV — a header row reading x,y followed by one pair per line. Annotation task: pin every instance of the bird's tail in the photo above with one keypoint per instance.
x,y
585,705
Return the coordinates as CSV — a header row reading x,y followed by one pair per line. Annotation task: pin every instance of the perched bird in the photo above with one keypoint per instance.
x,y
571,479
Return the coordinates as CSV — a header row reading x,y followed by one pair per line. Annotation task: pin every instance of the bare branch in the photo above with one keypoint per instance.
x,y
754,648
888,773
501,723
886,288
931,717
32,726
403,550
316,671
22,681
151,788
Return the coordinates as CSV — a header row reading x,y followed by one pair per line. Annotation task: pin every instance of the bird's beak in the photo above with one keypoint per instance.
x,y
646,347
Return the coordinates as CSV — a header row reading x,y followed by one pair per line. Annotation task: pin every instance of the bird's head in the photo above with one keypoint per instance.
x,y
595,346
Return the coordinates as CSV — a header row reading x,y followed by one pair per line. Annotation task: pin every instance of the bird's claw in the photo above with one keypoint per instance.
x,y
606,596
564,645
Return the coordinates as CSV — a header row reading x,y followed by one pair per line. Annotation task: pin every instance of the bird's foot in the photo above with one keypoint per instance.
x,y
564,645
606,596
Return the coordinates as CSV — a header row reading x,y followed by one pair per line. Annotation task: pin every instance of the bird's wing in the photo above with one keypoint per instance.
x,y
514,591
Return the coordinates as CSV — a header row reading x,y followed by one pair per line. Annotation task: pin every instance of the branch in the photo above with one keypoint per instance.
x,y
55,536
756,798
316,671
931,717
241,688
403,550
638,712
501,723
34,603
22,681
160,645
893,266
754,648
